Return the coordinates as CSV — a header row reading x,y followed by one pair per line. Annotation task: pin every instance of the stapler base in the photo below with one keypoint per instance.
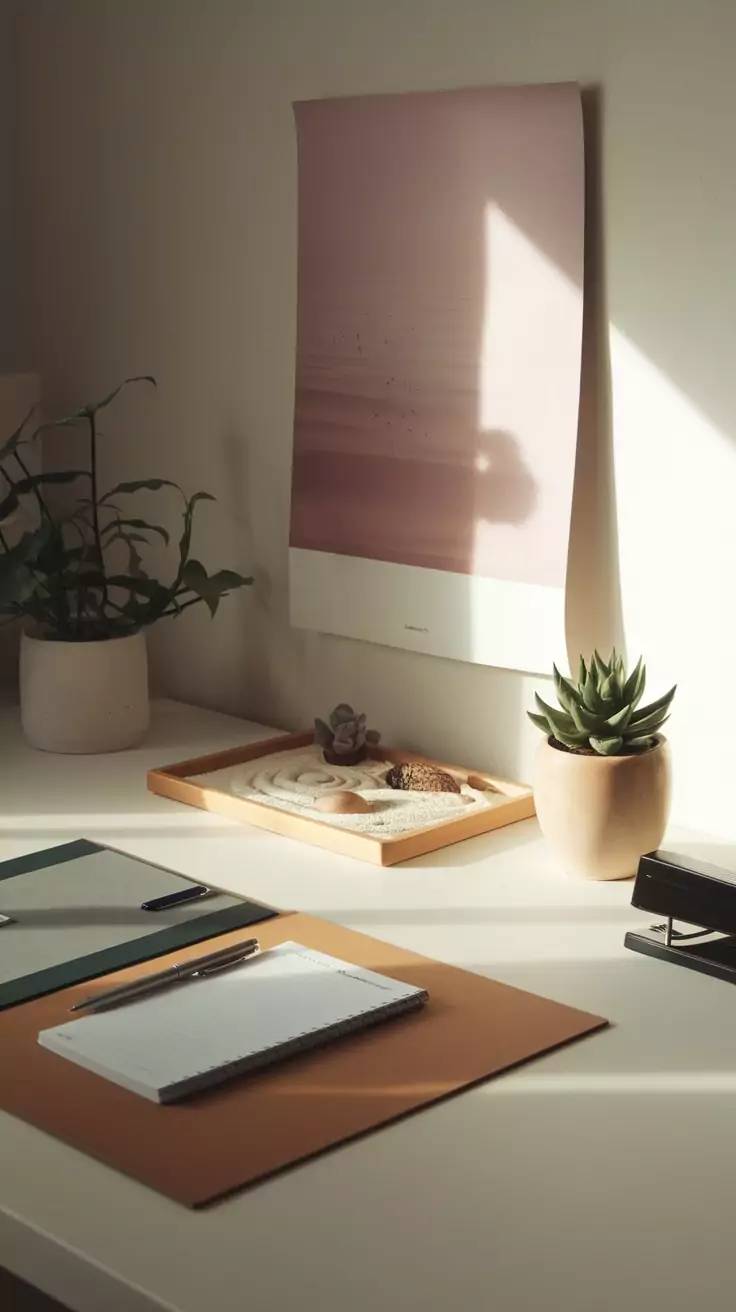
x,y
714,955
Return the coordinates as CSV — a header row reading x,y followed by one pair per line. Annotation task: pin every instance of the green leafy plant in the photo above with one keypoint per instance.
x,y
61,572
601,713
346,735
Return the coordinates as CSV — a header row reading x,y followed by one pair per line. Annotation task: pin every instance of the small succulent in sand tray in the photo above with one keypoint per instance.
x,y
600,714
344,741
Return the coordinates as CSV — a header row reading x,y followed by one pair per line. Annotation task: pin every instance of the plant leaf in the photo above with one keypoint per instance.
x,y
634,686
92,407
540,722
649,724
208,587
661,704
15,438
619,721
128,537
566,691
228,580
608,689
142,524
639,744
186,537
562,725
591,695
32,483
141,585
17,582
607,746
140,485
602,669
585,720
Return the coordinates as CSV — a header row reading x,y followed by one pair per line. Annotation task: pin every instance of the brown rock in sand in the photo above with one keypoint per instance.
x,y
343,803
421,778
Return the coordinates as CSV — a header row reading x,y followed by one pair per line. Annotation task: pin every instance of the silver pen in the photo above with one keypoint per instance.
x,y
140,988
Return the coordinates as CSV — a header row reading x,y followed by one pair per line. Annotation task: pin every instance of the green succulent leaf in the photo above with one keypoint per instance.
x,y
541,722
634,686
562,725
556,718
600,710
650,724
620,720
570,740
585,720
601,668
661,704
607,746
591,695
608,689
567,693
639,744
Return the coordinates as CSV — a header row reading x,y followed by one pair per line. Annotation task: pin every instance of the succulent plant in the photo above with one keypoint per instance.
x,y
601,712
345,736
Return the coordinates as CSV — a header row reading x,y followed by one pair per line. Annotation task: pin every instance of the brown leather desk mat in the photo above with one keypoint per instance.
x,y
199,1149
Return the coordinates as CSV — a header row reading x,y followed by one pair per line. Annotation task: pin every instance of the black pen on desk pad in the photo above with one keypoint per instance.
x,y
142,988
177,899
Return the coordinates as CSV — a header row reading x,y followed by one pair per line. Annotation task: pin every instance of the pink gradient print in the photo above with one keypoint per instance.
x,y
439,329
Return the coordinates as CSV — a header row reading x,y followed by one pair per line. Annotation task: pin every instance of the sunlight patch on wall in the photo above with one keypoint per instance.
x,y
676,493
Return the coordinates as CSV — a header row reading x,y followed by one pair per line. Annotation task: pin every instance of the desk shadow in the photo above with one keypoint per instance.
x,y
472,851
469,915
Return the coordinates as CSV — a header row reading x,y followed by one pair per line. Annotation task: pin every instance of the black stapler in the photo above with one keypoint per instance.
x,y
696,893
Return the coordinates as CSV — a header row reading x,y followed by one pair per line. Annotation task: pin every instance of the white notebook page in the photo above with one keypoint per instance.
x,y
206,1023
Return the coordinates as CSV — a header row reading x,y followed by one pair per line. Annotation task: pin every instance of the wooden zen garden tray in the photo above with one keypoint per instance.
x,y
182,783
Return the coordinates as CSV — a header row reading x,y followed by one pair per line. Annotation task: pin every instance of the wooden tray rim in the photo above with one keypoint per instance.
x,y
173,781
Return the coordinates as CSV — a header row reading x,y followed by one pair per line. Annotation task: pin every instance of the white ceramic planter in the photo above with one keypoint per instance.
x,y
84,696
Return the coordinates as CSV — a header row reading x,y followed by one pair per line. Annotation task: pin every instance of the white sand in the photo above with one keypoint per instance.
x,y
294,781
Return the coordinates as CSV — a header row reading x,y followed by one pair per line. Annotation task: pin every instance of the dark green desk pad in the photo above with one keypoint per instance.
x,y
197,921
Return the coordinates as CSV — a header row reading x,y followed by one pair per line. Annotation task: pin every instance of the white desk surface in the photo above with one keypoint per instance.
x,y
598,1178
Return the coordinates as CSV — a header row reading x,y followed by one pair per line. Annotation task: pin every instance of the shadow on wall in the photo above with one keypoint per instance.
x,y
411,510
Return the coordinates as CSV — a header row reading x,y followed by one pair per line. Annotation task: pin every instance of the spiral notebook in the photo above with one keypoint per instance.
x,y
199,1032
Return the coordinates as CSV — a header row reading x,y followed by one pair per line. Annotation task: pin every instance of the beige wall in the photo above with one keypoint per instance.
x,y
159,234
6,177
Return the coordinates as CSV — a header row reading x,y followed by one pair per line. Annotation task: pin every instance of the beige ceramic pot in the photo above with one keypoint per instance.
x,y
84,696
601,813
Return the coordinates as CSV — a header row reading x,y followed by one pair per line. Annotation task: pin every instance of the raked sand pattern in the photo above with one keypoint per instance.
x,y
293,781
